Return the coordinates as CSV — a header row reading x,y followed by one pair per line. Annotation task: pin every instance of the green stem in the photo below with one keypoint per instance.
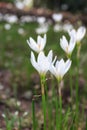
x,y
60,105
71,85
43,99
86,123
77,100
78,50
49,109
54,103
77,83
59,118
33,115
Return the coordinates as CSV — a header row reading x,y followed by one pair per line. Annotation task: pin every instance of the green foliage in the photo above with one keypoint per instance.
x,y
7,1
73,5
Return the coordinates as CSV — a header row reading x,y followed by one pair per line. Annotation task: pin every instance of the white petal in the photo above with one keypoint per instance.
x,y
33,61
50,55
71,48
44,38
81,33
64,43
61,67
41,57
67,65
43,42
32,41
39,39
52,69
32,44
72,33
54,60
57,64
72,44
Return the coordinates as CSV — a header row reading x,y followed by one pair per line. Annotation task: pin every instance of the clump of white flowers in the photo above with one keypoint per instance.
x,y
43,64
46,63
57,17
58,68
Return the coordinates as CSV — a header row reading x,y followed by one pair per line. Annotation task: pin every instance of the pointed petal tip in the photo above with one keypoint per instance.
x,y
27,41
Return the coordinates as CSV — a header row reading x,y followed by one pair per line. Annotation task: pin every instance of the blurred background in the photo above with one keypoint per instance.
x,y
22,19
59,5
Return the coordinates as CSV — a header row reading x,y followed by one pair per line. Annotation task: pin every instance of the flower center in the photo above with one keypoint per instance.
x,y
39,46
67,48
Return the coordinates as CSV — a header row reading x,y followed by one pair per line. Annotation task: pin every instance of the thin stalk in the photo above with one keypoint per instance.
x,y
33,115
78,50
49,109
77,99
43,99
20,121
77,84
86,123
54,103
71,85
60,105
59,118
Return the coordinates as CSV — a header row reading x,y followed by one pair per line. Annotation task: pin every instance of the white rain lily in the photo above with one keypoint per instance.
x,y
57,28
28,3
80,33
7,26
68,47
41,20
43,62
21,31
24,3
19,4
57,17
27,19
67,27
42,29
60,68
39,45
11,18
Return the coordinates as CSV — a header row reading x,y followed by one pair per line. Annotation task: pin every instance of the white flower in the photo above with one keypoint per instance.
x,y
41,20
27,19
60,68
57,28
80,33
7,26
43,62
67,27
42,29
39,45
10,18
57,17
68,47
19,4
21,31
28,3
